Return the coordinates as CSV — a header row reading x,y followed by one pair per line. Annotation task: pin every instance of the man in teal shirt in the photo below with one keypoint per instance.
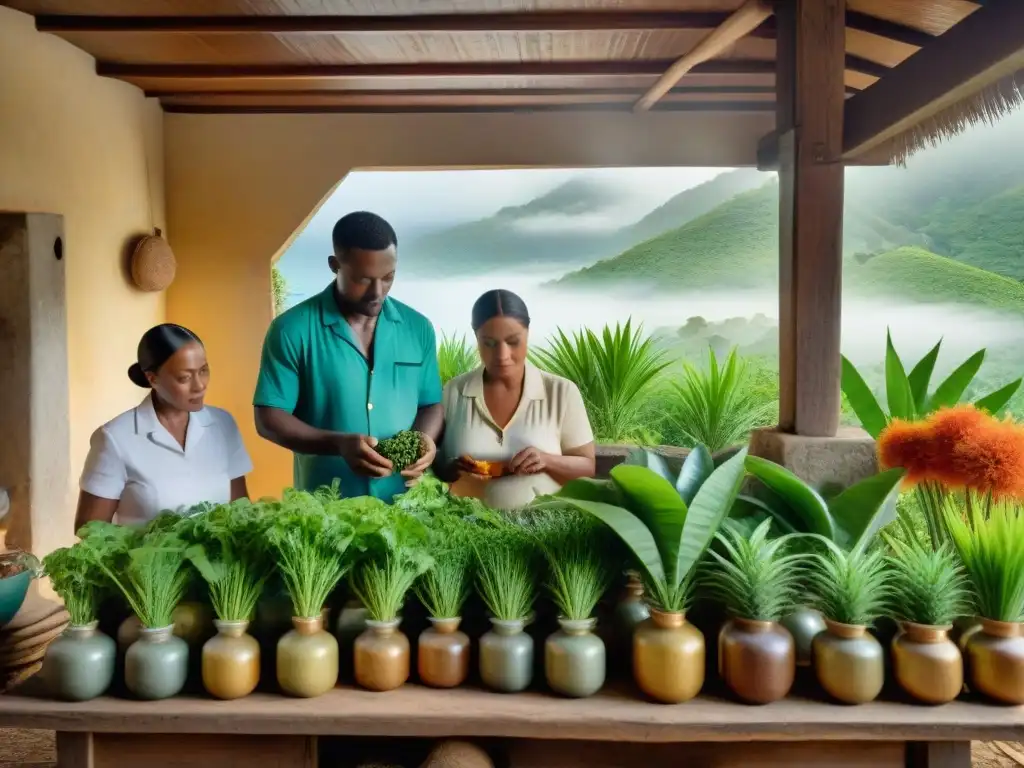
x,y
351,366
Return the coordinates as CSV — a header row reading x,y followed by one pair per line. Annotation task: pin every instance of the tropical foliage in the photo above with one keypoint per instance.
x,y
991,548
850,587
455,356
929,584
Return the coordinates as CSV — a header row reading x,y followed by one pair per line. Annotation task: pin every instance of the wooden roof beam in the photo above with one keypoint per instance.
x,y
740,23
984,48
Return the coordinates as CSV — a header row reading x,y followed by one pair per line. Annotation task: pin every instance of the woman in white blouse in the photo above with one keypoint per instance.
x,y
508,411
170,452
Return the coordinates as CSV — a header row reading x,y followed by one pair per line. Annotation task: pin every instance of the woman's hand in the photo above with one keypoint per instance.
x,y
428,451
529,461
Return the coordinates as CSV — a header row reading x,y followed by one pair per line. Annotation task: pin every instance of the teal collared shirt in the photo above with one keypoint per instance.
x,y
313,367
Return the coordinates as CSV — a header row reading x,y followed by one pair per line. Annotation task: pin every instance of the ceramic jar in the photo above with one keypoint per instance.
x,y
668,657
926,663
351,624
156,665
629,612
231,661
574,659
803,624
307,659
506,656
963,628
443,654
382,656
79,665
995,661
756,659
849,662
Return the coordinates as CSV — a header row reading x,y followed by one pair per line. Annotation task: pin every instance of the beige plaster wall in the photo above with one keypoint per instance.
x,y
90,149
239,186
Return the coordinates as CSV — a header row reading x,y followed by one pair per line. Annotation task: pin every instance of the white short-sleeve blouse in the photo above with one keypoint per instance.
x,y
135,460
551,417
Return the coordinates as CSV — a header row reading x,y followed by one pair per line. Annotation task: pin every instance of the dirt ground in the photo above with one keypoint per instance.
x,y
35,749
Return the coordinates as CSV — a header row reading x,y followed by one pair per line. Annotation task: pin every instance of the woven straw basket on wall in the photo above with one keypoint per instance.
x,y
153,263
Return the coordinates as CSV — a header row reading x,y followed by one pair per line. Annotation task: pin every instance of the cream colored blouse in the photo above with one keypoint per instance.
x,y
550,417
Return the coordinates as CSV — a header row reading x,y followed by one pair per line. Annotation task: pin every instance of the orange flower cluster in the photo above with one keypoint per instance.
x,y
959,447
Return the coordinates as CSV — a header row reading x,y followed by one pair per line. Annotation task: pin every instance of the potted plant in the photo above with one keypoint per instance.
x,y
668,537
396,556
757,582
228,550
79,665
929,592
992,552
443,652
505,581
148,568
851,590
309,536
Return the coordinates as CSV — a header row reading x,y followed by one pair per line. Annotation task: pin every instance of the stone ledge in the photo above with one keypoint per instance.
x,y
823,462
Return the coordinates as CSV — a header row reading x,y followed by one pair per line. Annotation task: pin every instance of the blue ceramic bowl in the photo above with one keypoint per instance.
x,y
12,595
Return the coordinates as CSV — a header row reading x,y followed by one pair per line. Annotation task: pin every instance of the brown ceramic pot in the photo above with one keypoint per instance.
x,y
443,654
756,659
668,657
231,661
926,663
995,661
382,656
849,662
307,659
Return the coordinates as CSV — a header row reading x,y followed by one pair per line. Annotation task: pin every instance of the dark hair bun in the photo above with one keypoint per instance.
x,y
156,347
499,303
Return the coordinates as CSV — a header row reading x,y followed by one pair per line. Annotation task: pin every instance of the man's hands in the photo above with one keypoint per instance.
x,y
360,454
428,451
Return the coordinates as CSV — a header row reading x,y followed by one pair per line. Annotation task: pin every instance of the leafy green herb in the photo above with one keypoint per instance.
x,y
754,578
929,585
396,555
309,535
992,552
445,587
78,580
505,571
580,558
229,551
147,566
403,449
850,587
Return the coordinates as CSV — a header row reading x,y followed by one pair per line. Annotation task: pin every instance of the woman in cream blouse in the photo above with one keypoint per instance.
x,y
509,411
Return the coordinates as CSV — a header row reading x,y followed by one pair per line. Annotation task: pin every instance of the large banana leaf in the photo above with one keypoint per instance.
x,y
897,386
654,500
807,502
864,508
862,400
631,530
921,375
994,402
710,507
952,389
697,468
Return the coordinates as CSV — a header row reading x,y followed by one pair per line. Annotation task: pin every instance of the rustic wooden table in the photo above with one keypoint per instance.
x,y
538,730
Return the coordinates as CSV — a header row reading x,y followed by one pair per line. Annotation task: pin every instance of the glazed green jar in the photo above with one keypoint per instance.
x,y
79,665
506,656
156,665
574,659
803,624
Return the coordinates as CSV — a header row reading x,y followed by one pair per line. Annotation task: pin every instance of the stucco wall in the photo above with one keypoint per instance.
x,y
90,149
239,186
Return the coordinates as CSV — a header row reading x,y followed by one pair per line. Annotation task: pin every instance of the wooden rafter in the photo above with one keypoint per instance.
x,y
739,24
984,48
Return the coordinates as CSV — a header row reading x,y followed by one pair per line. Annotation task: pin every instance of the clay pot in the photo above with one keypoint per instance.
x,y
630,612
506,656
926,663
307,659
574,659
756,659
382,656
443,654
156,665
995,661
231,661
803,624
192,622
849,662
79,665
963,628
668,657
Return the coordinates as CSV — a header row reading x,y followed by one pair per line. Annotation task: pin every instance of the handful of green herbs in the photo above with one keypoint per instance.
x,y
75,576
402,449
229,551
396,554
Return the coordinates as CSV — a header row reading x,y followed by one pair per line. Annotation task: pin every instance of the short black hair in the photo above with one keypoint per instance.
x,y
364,230
499,303
156,347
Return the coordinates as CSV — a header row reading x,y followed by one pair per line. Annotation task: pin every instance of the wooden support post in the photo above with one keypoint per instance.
x,y
938,754
809,84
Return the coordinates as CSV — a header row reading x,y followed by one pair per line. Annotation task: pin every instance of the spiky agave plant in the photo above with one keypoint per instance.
x,y
929,586
850,587
455,356
754,577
